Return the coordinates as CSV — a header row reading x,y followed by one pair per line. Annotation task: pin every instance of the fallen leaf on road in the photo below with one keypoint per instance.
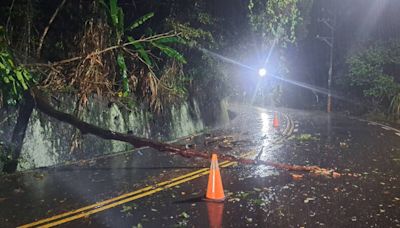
x,y
139,225
2,199
305,137
344,145
126,208
309,199
233,199
336,174
297,176
249,219
184,215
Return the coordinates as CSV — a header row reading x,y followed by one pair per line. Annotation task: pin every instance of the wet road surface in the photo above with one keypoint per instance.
x,y
366,195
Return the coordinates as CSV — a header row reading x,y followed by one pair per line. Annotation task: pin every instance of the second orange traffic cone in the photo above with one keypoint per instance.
x,y
276,121
215,190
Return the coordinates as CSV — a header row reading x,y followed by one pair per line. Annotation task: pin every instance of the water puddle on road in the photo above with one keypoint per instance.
x,y
261,171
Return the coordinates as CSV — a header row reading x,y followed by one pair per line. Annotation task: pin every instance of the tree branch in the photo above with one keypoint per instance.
x,y
39,49
43,105
146,39
8,21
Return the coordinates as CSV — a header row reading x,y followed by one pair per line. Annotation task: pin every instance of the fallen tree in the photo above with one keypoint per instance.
x,y
100,52
43,105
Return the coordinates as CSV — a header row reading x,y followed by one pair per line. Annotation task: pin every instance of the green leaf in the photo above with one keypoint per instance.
x,y
102,3
14,87
184,215
10,62
132,41
114,12
141,51
170,52
6,80
165,40
120,25
11,101
141,20
21,80
14,79
121,64
11,78
26,75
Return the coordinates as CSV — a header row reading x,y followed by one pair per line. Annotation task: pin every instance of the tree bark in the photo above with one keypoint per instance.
x,y
24,114
44,106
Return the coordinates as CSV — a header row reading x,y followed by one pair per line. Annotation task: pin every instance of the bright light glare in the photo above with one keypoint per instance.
x,y
262,72
265,123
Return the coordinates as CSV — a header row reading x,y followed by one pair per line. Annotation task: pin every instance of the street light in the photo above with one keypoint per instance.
x,y
262,72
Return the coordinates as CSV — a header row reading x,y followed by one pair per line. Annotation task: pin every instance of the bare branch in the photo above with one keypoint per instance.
x,y
73,59
39,49
9,19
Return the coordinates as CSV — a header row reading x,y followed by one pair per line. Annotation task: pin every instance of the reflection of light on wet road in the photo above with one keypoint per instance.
x,y
263,171
265,130
265,122
265,134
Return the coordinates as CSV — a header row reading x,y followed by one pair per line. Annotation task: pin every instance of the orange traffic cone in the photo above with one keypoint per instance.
x,y
276,121
215,190
215,214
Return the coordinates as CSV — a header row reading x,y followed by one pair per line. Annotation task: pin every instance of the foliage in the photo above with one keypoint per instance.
x,y
278,23
372,71
277,19
111,56
201,28
141,47
14,79
193,37
113,51
305,137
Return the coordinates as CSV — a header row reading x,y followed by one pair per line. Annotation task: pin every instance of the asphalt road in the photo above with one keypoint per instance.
x,y
146,188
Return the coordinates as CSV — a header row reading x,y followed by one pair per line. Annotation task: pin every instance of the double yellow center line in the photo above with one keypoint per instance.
x,y
113,202
131,196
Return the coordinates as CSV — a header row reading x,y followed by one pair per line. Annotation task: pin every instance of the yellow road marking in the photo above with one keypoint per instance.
x,y
99,204
110,203
108,206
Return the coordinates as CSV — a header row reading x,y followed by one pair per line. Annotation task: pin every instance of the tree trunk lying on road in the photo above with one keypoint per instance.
x,y
18,135
43,105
